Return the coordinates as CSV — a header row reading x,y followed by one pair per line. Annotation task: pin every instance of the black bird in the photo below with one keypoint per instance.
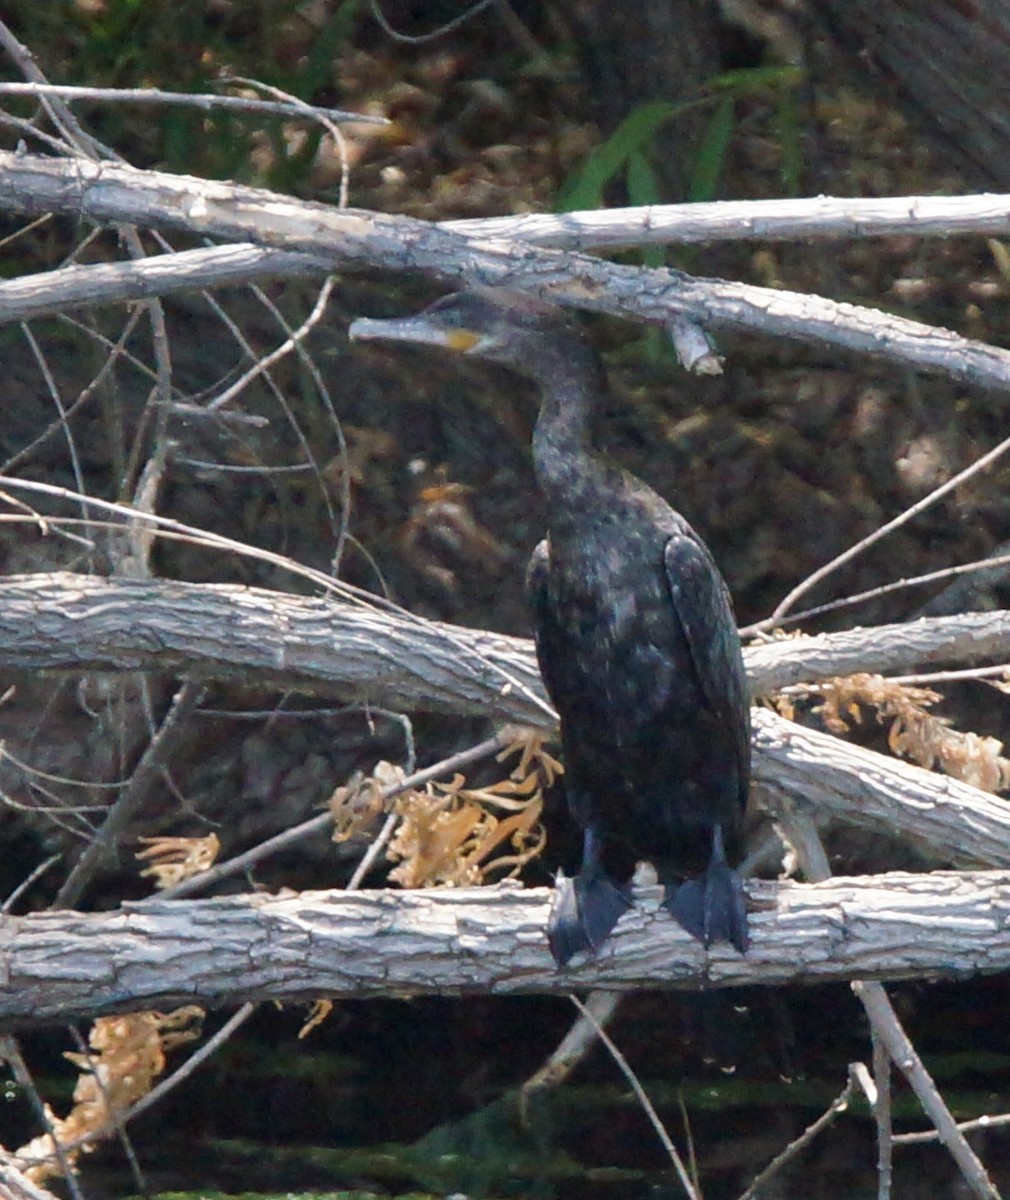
x,y
636,641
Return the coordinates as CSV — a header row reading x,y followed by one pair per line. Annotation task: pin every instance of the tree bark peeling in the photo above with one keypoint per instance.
x,y
62,966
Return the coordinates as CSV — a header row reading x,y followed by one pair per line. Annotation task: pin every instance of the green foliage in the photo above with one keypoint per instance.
x,y
631,138
780,84
710,157
626,154
190,46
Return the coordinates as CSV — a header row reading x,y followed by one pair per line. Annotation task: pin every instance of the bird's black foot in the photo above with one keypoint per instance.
x,y
711,907
584,911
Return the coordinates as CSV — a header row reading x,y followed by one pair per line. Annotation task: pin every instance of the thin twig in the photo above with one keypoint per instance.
x,y
600,1006
11,1051
837,1106
339,141
930,1135
882,531
692,1157
77,140
642,1097
340,526
25,884
195,1060
155,757
27,452
813,860
999,671
885,589
170,1082
882,1116
116,1123
433,35
16,1186
905,1057
379,843
207,101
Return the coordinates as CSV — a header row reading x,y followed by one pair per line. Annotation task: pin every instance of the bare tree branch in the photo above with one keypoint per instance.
x,y
812,217
125,808
106,193
67,288
207,101
217,266
766,220
59,966
945,821
889,1035
219,631
966,639
14,1185
69,622
76,623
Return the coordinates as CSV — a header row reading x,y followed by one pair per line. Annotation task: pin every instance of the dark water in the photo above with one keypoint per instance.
x,y
390,1097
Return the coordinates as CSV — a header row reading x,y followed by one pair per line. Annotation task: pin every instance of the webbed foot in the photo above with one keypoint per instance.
x,y
711,907
585,910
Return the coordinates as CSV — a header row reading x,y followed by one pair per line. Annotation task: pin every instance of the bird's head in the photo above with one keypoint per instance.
x,y
485,323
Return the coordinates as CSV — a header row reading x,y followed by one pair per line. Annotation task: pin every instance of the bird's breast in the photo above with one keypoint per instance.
x,y
618,641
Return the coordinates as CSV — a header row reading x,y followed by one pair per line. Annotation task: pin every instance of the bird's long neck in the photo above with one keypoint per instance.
x,y
571,383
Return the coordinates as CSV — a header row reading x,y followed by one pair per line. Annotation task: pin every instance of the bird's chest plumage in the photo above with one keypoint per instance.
x,y
612,648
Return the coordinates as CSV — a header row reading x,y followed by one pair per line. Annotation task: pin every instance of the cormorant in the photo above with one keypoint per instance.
x,y
636,642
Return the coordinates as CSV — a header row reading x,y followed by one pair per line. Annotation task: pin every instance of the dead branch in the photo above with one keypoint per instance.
x,y
68,622
14,1186
60,966
798,769
68,288
891,1042
106,193
607,229
966,639
815,217
76,623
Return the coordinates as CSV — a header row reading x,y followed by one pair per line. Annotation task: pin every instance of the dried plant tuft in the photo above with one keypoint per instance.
x,y
127,1055
448,832
173,859
915,733
356,806
320,1011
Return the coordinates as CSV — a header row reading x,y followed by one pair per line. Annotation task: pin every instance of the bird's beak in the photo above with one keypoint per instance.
x,y
415,330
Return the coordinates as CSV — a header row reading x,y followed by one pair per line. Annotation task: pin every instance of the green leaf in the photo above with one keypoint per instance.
x,y
711,155
748,80
584,189
787,124
643,188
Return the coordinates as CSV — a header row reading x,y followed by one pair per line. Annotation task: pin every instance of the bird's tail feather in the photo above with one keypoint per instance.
x,y
711,907
584,911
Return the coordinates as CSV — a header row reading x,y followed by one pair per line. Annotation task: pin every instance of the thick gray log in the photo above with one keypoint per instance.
x,y
61,966
76,622
947,822
963,640
68,622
